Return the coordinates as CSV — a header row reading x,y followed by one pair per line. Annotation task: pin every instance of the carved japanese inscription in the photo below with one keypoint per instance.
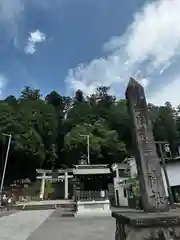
x,y
149,171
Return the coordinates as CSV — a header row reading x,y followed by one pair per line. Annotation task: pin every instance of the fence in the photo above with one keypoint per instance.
x,y
81,195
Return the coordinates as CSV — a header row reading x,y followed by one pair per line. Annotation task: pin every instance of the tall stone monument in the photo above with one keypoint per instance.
x,y
157,221
148,165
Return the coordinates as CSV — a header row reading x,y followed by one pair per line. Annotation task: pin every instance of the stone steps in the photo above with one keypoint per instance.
x,y
65,209
59,212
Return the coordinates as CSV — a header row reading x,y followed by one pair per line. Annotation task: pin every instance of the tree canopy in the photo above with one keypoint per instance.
x,y
51,132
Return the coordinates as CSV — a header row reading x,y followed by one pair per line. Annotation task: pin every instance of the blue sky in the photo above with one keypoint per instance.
x,y
65,45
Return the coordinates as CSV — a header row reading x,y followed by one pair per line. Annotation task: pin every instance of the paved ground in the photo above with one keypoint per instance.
x,y
47,225
6,213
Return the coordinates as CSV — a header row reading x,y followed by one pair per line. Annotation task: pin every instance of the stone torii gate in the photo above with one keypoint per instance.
x,y
46,175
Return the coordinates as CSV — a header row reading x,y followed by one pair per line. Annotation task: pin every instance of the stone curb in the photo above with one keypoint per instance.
x,y
65,210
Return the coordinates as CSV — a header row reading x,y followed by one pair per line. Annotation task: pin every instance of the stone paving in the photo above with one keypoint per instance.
x,y
47,225
4,213
20,225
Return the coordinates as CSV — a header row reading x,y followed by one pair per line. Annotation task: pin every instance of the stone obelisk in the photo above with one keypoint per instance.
x,y
152,188
157,222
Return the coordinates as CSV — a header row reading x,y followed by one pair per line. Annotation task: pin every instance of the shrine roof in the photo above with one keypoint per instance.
x,y
50,171
91,169
91,166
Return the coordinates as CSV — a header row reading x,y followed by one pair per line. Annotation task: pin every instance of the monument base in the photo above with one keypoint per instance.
x,y
147,226
93,208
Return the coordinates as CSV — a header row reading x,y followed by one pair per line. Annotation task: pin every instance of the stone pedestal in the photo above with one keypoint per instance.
x,y
147,226
93,208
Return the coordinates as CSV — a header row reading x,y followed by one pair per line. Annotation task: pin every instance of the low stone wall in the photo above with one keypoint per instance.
x,y
93,208
147,226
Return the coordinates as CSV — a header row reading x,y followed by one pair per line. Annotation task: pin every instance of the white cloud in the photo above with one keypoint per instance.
x,y
168,93
150,45
10,13
10,9
144,82
3,82
34,38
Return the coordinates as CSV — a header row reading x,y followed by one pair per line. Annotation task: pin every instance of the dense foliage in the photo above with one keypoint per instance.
x,y
49,133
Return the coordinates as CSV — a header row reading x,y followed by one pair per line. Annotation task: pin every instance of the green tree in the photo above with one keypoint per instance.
x,y
165,128
41,117
104,144
47,133
30,93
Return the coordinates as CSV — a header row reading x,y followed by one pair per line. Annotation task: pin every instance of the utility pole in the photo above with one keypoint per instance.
x,y
159,143
88,147
6,159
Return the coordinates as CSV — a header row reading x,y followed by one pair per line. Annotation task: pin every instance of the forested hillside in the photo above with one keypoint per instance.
x,y
47,133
